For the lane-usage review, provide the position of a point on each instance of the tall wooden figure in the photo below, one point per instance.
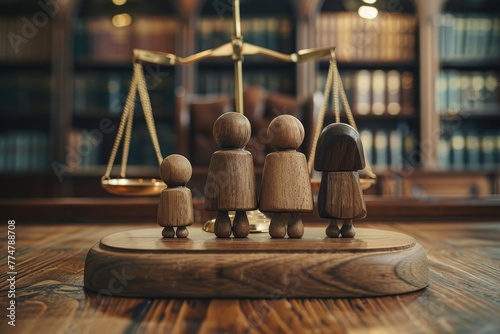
(286, 184)
(176, 201)
(339, 155)
(231, 180)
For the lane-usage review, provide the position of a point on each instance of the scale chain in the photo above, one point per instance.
(350, 118)
(148, 111)
(129, 105)
(126, 143)
(138, 84)
(333, 79)
(321, 118)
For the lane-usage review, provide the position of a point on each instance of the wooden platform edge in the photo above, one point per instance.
(255, 275)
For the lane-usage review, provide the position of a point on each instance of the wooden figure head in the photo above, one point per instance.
(175, 170)
(232, 130)
(339, 149)
(285, 132)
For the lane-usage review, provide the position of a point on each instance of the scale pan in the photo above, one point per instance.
(133, 187)
(367, 183)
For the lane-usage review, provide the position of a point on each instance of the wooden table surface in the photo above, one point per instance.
(463, 295)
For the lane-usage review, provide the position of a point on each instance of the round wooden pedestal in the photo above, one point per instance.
(141, 263)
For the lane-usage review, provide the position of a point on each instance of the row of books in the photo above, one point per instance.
(25, 38)
(389, 148)
(388, 37)
(104, 93)
(216, 81)
(99, 39)
(470, 150)
(24, 91)
(471, 92)
(270, 32)
(469, 36)
(24, 151)
(87, 150)
(376, 92)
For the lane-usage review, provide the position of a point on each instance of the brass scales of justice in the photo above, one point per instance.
(374, 263)
(236, 49)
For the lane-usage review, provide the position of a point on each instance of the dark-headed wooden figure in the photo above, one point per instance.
(339, 155)
(176, 201)
(286, 184)
(230, 182)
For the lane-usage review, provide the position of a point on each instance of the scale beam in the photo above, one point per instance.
(227, 50)
(236, 49)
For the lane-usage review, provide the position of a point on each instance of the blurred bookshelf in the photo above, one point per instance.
(468, 92)
(25, 89)
(378, 64)
(416, 70)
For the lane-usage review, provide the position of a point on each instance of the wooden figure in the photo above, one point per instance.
(339, 155)
(176, 202)
(231, 180)
(286, 184)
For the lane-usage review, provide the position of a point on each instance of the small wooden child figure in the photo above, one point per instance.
(231, 180)
(339, 155)
(286, 184)
(176, 201)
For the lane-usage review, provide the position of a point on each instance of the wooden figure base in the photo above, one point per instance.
(141, 263)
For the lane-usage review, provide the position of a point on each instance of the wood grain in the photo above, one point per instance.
(175, 207)
(175, 170)
(232, 130)
(285, 132)
(339, 149)
(462, 295)
(286, 186)
(204, 266)
(340, 196)
(231, 182)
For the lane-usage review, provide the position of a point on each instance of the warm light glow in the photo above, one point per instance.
(368, 12)
(371, 2)
(122, 2)
(121, 20)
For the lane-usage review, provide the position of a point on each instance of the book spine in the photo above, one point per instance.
(378, 92)
(393, 92)
(366, 136)
(454, 105)
(472, 148)
(396, 149)
(381, 147)
(407, 93)
(3, 153)
(362, 101)
(488, 151)
(444, 151)
(458, 150)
